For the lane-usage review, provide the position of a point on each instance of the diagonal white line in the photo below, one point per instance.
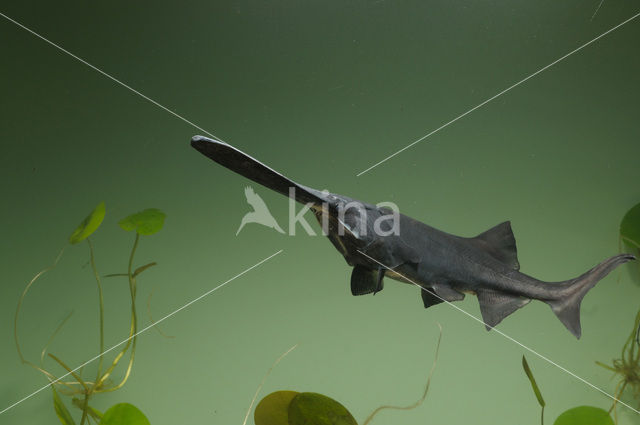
(505, 335)
(175, 114)
(140, 331)
(359, 174)
(596, 12)
(499, 94)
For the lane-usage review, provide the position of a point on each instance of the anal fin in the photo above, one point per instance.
(439, 293)
(495, 305)
(429, 298)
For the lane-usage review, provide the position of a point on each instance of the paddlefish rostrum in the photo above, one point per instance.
(378, 242)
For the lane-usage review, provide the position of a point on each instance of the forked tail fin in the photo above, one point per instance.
(567, 307)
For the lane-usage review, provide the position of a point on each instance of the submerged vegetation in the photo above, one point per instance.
(82, 389)
(280, 407)
(627, 367)
(581, 415)
(308, 408)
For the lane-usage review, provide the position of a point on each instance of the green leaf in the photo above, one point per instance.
(89, 225)
(317, 409)
(630, 227)
(274, 408)
(534, 385)
(584, 415)
(124, 414)
(117, 275)
(146, 222)
(61, 410)
(143, 268)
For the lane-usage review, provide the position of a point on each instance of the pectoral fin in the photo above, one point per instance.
(495, 306)
(366, 281)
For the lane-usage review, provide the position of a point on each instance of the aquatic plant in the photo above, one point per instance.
(80, 389)
(305, 408)
(580, 415)
(630, 231)
(534, 385)
(627, 366)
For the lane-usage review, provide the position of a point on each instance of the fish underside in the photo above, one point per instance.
(444, 266)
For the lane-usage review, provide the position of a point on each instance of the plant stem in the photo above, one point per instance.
(101, 300)
(131, 342)
(134, 316)
(636, 329)
(19, 306)
(255, 396)
(49, 375)
(85, 408)
(426, 388)
(51, 338)
(606, 366)
(68, 369)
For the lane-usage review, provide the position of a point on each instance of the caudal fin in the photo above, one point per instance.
(567, 307)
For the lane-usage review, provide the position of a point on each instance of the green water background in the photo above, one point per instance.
(319, 91)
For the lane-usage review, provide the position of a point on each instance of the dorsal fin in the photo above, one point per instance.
(500, 243)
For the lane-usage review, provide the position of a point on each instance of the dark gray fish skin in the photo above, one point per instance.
(445, 266)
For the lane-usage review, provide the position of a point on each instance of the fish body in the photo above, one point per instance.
(444, 266)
